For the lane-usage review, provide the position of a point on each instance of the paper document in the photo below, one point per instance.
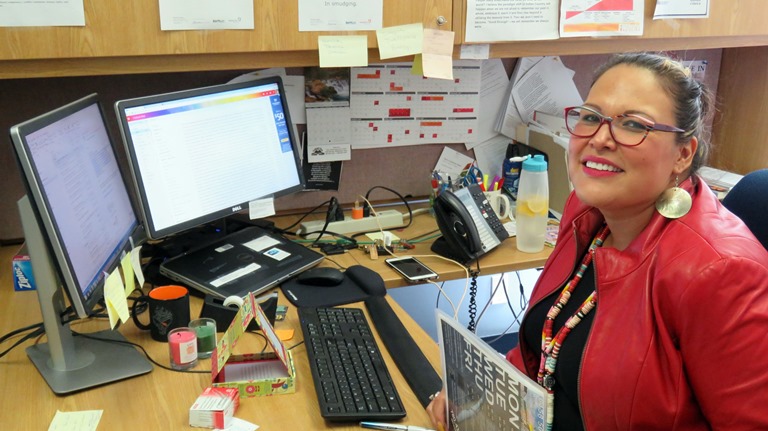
(508, 118)
(601, 18)
(547, 87)
(14, 13)
(340, 15)
(452, 162)
(677, 9)
(206, 15)
(493, 87)
(391, 107)
(497, 20)
(490, 155)
(480, 51)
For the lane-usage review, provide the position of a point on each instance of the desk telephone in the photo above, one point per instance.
(469, 226)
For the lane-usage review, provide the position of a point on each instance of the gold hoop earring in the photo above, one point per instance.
(674, 202)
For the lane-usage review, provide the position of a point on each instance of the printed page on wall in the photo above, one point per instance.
(503, 20)
(593, 18)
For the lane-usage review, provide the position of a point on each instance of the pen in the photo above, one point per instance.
(391, 427)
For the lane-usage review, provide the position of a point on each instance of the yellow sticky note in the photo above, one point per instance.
(437, 54)
(128, 276)
(136, 264)
(114, 297)
(343, 51)
(437, 66)
(400, 40)
(86, 420)
(417, 68)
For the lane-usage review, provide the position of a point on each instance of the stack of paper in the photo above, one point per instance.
(540, 84)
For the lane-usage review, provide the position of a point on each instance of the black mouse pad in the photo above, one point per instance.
(359, 283)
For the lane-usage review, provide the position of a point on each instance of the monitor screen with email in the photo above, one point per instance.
(199, 155)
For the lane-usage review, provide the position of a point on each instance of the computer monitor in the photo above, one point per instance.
(199, 155)
(78, 223)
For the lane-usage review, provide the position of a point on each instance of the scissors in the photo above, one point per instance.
(473, 176)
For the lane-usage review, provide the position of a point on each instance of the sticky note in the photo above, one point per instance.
(343, 51)
(86, 420)
(114, 297)
(261, 208)
(284, 334)
(437, 54)
(400, 40)
(417, 68)
(136, 264)
(128, 277)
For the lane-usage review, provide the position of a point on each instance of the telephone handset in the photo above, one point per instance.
(469, 225)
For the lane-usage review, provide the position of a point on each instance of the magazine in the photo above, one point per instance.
(484, 391)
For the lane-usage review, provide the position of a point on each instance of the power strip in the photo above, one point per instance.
(387, 219)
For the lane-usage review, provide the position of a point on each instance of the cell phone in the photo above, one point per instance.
(411, 269)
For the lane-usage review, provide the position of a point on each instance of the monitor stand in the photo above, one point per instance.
(71, 363)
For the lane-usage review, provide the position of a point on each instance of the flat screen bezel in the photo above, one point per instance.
(146, 213)
(83, 305)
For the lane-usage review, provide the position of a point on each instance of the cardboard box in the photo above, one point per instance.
(23, 278)
(253, 374)
(214, 408)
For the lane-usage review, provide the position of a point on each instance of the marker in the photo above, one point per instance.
(392, 427)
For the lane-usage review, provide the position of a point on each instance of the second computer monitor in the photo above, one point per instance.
(199, 155)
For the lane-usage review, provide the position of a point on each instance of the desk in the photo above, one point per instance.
(161, 399)
(504, 258)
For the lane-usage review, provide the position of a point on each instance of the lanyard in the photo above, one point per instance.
(550, 346)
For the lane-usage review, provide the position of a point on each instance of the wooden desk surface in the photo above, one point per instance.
(160, 400)
(504, 258)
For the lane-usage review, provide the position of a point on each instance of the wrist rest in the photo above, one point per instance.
(408, 357)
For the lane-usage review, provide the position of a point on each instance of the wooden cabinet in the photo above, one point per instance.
(731, 23)
(125, 37)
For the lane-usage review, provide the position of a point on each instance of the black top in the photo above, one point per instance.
(567, 416)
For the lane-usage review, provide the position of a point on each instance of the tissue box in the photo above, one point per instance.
(214, 408)
(23, 279)
(253, 374)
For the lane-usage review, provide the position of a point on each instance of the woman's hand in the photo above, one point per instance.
(436, 411)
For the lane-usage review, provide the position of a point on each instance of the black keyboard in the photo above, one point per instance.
(350, 377)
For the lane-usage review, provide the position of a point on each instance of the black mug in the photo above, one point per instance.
(168, 309)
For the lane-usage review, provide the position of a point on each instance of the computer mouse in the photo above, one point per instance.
(323, 277)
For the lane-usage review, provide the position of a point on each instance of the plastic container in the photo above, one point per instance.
(511, 169)
(532, 205)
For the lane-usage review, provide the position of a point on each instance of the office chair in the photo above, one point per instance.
(748, 199)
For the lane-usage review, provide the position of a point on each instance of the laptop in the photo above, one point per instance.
(250, 260)
(484, 391)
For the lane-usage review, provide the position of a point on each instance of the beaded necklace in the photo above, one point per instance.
(550, 347)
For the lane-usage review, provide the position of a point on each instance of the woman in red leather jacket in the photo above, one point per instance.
(669, 289)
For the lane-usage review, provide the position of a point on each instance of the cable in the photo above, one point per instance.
(20, 330)
(490, 298)
(473, 299)
(36, 333)
(165, 367)
(442, 292)
(369, 207)
(287, 229)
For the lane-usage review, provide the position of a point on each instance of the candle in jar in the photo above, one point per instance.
(182, 343)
